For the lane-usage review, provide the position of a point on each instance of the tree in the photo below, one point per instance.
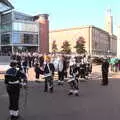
(54, 47)
(80, 45)
(66, 47)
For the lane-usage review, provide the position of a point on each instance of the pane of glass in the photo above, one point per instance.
(6, 27)
(28, 27)
(16, 38)
(3, 7)
(6, 18)
(5, 39)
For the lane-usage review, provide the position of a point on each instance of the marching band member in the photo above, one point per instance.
(48, 74)
(13, 79)
(73, 82)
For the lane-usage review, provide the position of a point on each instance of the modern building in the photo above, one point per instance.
(5, 5)
(97, 41)
(22, 32)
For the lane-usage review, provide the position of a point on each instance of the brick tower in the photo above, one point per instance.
(43, 33)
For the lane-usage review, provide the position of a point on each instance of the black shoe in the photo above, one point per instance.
(45, 90)
(76, 94)
(14, 117)
(105, 84)
(51, 90)
(70, 93)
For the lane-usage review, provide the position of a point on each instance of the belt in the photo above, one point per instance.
(46, 75)
(16, 82)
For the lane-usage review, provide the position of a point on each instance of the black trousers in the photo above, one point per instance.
(37, 75)
(104, 78)
(82, 73)
(13, 93)
(48, 83)
(25, 69)
(74, 84)
(61, 75)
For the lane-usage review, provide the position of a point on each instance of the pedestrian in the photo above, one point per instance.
(73, 82)
(48, 74)
(37, 71)
(61, 70)
(25, 65)
(13, 79)
(105, 70)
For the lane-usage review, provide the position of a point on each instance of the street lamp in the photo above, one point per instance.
(108, 53)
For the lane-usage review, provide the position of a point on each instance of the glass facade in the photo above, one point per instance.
(25, 38)
(19, 31)
(25, 26)
(3, 7)
(6, 23)
(6, 27)
(21, 16)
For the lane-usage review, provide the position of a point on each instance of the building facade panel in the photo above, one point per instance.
(113, 45)
(101, 42)
(71, 35)
(19, 30)
(97, 41)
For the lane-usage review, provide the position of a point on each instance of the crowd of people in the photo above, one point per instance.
(114, 64)
(65, 65)
(72, 67)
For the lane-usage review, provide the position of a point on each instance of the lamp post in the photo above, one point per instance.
(108, 53)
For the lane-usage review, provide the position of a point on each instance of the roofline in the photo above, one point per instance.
(75, 28)
(22, 13)
(7, 3)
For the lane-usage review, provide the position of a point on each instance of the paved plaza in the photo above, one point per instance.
(95, 102)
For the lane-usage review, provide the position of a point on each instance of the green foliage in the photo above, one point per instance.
(80, 45)
(66, 47)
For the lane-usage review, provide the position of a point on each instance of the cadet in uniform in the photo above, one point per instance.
(73, 82)
(12, 81)
(48, 74)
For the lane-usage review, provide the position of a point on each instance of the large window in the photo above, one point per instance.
(17, 38)
(5, 39)
(6, 24)
(6, 18)
(30, 39)
(24, 26)
(25, 38)
(20, 16)
(6, 27)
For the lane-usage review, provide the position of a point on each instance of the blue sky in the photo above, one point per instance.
(71, 13)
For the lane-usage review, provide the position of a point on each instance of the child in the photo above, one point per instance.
(73, 82)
